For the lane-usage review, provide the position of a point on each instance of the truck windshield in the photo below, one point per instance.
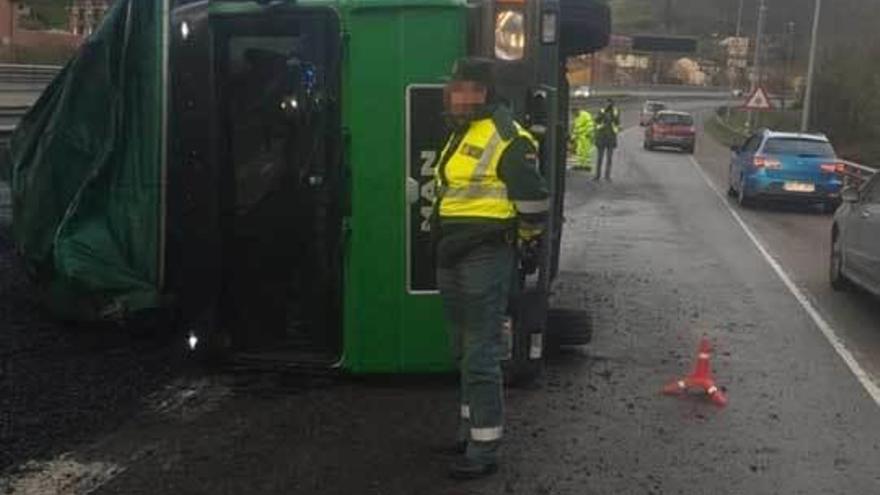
(799, 147)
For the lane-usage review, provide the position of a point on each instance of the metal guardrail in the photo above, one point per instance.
(10, 113)
(728, 128)
(5, 136)
(28, 74)
(855, 174)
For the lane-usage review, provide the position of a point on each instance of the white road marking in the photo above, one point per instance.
(823, 325)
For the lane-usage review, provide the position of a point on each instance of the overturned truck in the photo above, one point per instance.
(261, 171)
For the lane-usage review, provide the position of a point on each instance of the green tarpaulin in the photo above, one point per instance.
(86, 171)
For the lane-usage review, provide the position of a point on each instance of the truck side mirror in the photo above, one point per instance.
(850, 195)
(584, 27)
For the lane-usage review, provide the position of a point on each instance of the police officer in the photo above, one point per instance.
(490, 198)
(607, 128)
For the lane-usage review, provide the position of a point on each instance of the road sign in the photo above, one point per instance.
(758, 100)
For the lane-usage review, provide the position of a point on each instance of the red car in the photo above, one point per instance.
(671, 129)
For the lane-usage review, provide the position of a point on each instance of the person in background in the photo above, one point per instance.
(584, 135)
(607, 129)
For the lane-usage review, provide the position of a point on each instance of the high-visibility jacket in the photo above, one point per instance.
(584, 130)
(584, 126)
(467, 183)
(607, 128)
(605, 120)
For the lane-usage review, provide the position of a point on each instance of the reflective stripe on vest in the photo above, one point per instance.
(603, 121)
(468, 185)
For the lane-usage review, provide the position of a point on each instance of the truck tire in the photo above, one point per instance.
(568, 328)
(525, 361)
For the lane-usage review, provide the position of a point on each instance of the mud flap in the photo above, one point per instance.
(526, 338)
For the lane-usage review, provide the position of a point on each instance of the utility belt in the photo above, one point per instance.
(455, 240)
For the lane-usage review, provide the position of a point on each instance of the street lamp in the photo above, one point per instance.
(759, 38)
(789, 60)
(739, 19)
(811, 66)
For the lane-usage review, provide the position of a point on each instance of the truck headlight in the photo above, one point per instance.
(510, 35)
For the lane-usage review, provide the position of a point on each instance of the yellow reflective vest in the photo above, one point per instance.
(603, 120)
(468, 185)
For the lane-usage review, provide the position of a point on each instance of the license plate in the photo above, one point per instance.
(805, 187)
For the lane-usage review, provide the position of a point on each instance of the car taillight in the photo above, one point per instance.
(766, 162)
(833, 168)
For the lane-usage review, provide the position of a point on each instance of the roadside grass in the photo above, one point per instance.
(723, 133)
(734, 130)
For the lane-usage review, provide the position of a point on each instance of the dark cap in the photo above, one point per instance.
(476, 69)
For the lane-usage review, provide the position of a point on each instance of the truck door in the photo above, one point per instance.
(277, 79)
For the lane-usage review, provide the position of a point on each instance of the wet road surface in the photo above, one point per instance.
(800, 239)
(659, 261)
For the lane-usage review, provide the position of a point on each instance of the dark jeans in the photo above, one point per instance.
(475, 293)
(604, 151)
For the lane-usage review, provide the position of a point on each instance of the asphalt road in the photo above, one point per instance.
(659, 261)
(800, 238)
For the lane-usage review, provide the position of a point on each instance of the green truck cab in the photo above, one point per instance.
(284, 176)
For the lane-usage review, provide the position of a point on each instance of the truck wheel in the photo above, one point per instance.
(525, 360)
(568, 328)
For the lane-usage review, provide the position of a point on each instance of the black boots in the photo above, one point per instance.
(467, 469)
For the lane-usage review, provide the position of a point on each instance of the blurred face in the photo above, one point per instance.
(463, 99)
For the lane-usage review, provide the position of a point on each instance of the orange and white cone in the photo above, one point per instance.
(701, 379)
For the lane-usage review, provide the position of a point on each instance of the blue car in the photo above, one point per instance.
(786, 166)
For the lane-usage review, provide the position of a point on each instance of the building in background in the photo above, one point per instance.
(639, 60)
(86, 15)
(10, 12)
(26, 37)
(737, 53)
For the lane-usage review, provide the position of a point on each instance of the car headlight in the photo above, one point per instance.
(510, 35)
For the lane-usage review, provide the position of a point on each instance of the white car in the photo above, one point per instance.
(649, 110)
(581, 92)
(855, 236)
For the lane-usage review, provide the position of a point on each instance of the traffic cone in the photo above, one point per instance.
(700, 379)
